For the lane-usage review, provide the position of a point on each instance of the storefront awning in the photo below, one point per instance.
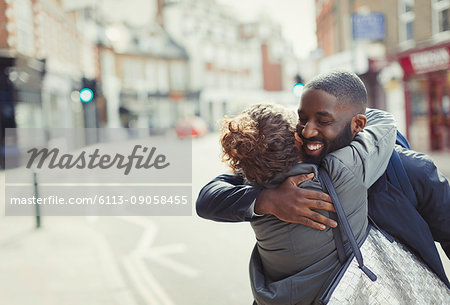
(425, 60)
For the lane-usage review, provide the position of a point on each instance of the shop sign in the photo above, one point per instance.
(426, 61)
(368, 26)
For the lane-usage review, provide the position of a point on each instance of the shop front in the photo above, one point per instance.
(427, 101)
(20, 100)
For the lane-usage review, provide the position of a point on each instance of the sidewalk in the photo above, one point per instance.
(64, 262)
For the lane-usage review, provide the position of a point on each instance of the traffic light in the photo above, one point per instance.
(299, 79)
(88, 92)
(86, 95)
(298, 87)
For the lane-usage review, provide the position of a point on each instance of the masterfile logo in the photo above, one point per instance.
(95, 160)
(68, 172)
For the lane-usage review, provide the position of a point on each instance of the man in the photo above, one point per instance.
(416, 224)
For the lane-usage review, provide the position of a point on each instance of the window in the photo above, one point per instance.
(163, 76)
(222, 56)
(406, 20)
(440, 17)
(178, 76)
(131, 72)
(24, 20)
(234, 58)
(189, 26)
(208, 52)
(150, 76)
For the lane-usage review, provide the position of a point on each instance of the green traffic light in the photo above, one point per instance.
(86, 95)
(298, 89)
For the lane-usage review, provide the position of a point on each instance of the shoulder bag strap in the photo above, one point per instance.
(343, 221)
(337, 235)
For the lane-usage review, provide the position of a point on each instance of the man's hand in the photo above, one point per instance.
(290, 203)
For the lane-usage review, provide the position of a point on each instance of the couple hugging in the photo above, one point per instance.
(298, 258)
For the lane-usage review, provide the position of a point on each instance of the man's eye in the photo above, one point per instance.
(303, 121)
(325, 122)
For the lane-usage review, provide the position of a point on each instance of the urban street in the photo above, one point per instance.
(80, 74)
(133, 260)
(129, 260)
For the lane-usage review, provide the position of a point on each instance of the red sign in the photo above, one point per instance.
(425, 61)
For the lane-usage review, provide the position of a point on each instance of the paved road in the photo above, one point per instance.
(132, 260)
(128, 260)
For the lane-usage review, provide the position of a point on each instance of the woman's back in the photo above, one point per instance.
(287, 248)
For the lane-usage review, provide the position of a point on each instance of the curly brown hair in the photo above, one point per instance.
(260, 142)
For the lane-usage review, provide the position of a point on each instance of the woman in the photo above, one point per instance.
(294, 264)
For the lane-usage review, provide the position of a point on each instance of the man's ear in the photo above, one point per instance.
(298, 142)
(359, 121)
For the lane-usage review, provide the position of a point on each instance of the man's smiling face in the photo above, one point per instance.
(325, 125)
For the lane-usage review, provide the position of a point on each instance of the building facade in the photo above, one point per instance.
(231, 63)
(150, 70)
(44, 59)
(400, 50)
(424, 56)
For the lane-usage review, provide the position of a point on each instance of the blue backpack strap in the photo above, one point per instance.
(396, 173)
(401, 140)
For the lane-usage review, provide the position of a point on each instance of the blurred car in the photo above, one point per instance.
(191, 127)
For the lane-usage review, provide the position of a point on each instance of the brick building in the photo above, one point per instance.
(401, 51)
(43, 58)
(39, 67)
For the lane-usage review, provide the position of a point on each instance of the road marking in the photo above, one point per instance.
(143, 288)
(110, 268)
(146, 284)
(159, 255)
(174, 265)
(137, 220)
(169, 249)
(152, 283)
(146, 240)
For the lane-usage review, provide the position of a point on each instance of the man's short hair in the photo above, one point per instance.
(346, 86)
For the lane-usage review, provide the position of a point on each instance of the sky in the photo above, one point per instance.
(297, 18)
